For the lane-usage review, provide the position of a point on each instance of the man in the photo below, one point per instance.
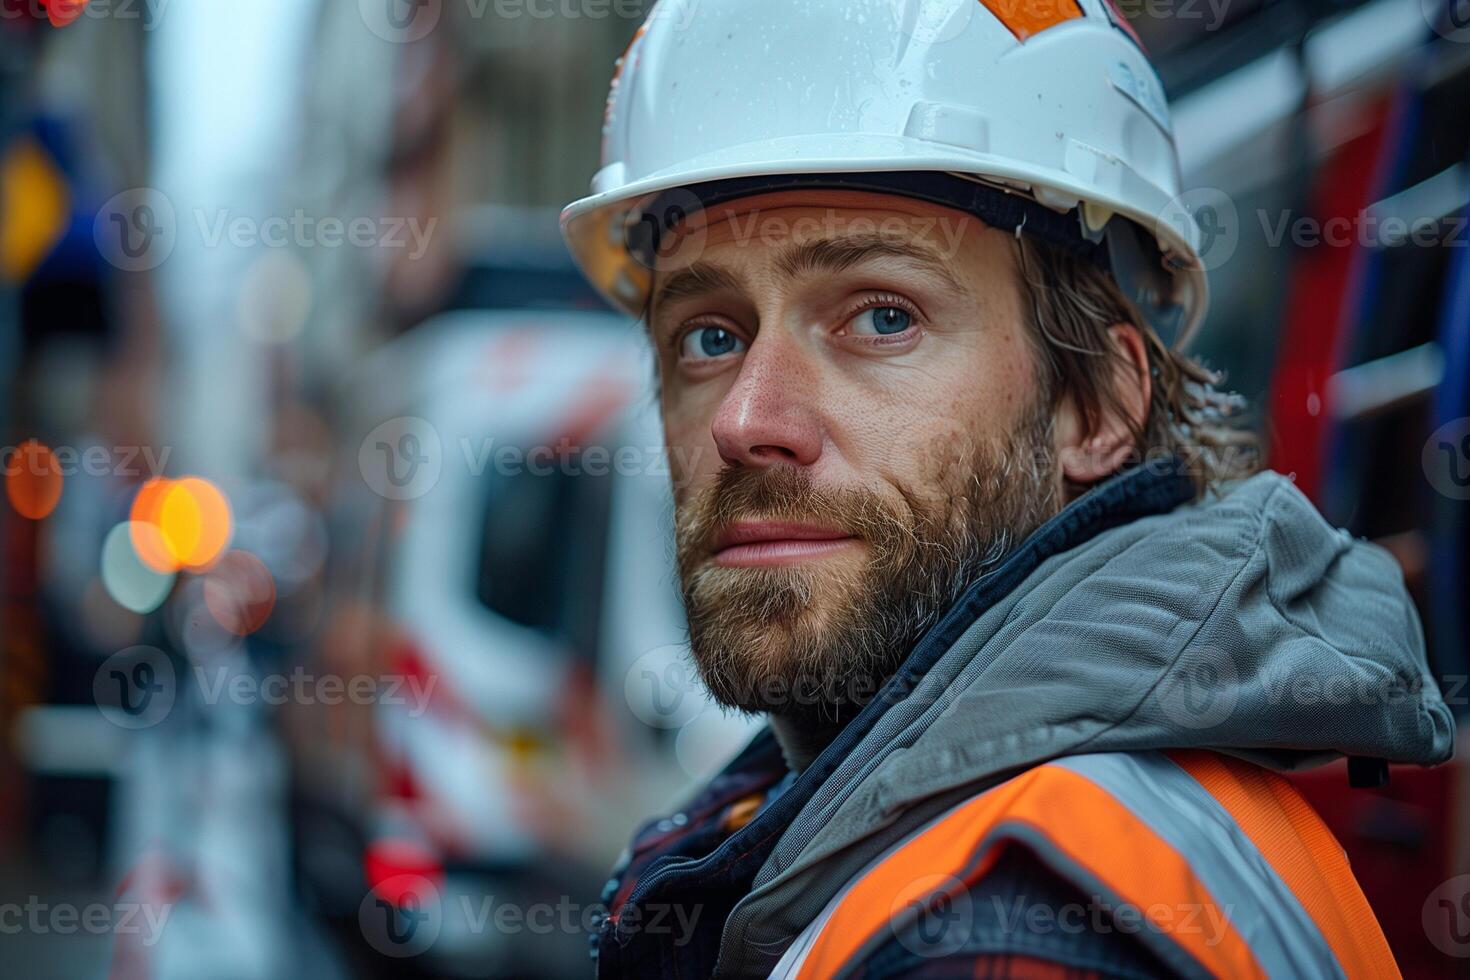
(965, 523)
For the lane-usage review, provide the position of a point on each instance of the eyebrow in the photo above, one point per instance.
(834, 255)
(695, 279)
(826, 255)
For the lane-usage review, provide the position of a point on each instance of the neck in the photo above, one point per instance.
(802, 741)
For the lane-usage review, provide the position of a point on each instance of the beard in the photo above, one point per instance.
(813, 643)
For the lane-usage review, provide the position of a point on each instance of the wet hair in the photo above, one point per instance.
(1069, 305)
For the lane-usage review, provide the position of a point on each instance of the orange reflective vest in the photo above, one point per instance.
(1228, 871)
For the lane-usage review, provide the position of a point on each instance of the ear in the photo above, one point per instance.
(1088, 457)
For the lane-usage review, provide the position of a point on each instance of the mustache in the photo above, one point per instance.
(779, 493)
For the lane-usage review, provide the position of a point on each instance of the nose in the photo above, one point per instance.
(770, 414)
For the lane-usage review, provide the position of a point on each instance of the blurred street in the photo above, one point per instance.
(336, 547)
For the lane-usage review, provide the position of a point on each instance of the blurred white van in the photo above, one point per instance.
(502, 567)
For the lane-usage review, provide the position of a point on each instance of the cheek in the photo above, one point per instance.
(968, 391)
(693, 458)
(1004, 385)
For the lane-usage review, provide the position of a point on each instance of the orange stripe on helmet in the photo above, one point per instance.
(1024, 18)
(1081, 820)
(1302, 851)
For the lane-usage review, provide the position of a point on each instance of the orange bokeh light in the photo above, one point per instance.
(195, 520)
(180, 524)
(147, 537)
(33, 480)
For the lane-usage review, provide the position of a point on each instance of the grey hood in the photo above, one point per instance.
(1243, 623)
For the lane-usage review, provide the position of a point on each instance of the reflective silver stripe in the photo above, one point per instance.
(795, 955)
(1170, 802)
(1262, 908)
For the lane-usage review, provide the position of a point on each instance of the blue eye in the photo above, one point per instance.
(882, 320)
(706, 342)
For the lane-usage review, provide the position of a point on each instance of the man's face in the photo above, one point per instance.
(849, 376)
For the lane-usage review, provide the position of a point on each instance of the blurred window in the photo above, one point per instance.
(544, 546)
(1194, 42)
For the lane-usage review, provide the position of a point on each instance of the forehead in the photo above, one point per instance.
(794, 233)
(802, 216)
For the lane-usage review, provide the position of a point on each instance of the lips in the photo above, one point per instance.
(753, 543)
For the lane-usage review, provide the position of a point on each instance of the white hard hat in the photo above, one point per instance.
(1038, 115)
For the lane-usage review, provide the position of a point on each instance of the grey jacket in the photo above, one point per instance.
(1243, 623)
